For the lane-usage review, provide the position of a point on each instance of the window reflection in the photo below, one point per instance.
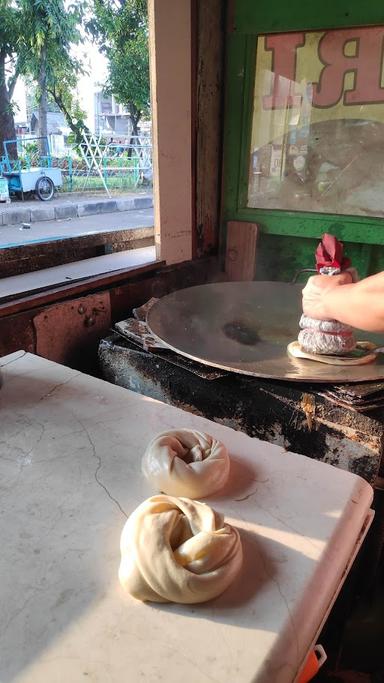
(318, 122)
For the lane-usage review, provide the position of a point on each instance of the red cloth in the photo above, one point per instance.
(329, 253)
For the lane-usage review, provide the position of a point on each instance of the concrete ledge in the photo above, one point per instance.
(126, 204)
(92, 208)
(109, 207)
(15, 216)
(143, 202)
(48, 212)
(69, 211)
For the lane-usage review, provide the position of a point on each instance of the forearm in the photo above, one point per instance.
(360, 305)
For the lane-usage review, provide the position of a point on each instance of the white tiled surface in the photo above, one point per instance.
(70, 449)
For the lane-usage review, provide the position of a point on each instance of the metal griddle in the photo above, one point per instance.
(244, 327)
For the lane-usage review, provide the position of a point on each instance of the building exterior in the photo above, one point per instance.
(111, 119)
(56, 123)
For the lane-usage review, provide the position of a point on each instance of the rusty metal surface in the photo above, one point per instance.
(141, 312)
(66, 331)
(290, 415)
(138, 331)
(362, 398)
(165, 353)
(244, 327)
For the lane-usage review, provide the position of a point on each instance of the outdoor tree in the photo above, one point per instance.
(10, 67)
(36, 40)
(121, 29)
(51, 28)
(36, 37)
(62, 98)
(61, 91)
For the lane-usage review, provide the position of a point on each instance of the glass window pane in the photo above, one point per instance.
(318, 122)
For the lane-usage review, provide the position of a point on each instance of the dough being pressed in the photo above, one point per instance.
(367, 349)
(186, 463)
(178, 550)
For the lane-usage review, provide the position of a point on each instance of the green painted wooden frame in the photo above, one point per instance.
(250, 19)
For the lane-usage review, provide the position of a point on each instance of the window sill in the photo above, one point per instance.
(21, 292)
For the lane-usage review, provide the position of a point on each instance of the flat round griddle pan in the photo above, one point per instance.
(245, 327)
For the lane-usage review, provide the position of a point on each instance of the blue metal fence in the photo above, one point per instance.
(123, 166)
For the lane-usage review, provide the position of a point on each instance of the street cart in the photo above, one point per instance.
(40, 179)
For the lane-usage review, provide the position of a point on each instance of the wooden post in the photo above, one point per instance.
(209, 119)
(240, 257)
(171, 95)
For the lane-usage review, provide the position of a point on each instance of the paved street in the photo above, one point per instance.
(15, 235)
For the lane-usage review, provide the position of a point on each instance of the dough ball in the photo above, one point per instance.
(178, 550)
(186, 463)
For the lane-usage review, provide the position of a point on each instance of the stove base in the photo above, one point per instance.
(295, 416)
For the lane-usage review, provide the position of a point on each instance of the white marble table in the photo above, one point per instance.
(70, 449)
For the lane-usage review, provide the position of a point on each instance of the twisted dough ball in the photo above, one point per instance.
(186, 463)
(178, 550)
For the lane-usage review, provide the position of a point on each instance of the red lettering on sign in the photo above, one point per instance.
(366, 65)
(284, 52)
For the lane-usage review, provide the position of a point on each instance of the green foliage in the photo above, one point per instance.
(32, 98)
(30, 148)
(61, 91)
(9, 27)
(35, 41)
(53, 27)
(11, 31)
(121, 29)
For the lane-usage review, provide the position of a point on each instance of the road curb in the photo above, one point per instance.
(73, 210)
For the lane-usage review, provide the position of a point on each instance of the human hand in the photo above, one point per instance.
(318, 289)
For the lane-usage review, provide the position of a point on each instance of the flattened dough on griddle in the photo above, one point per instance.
(295, 350)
